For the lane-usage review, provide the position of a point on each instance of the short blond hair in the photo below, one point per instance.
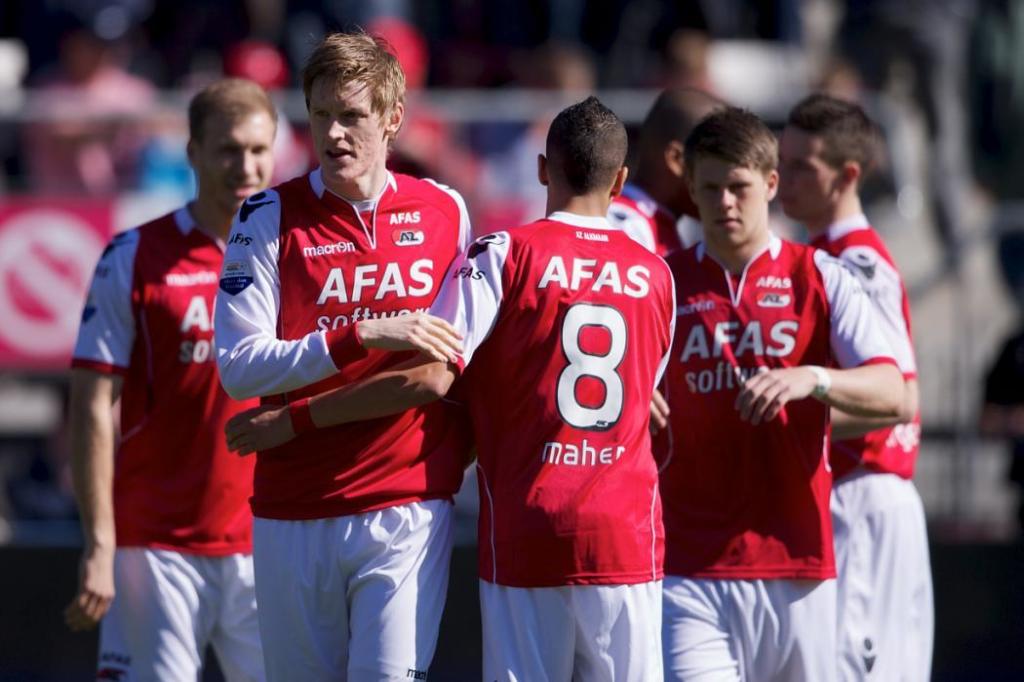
(735, 136)
(234, 98)
(361, 58)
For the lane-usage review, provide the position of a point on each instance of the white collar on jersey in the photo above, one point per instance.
(773, 247)
(841, 228)
(590, 222)
(316, 181)
(184, 220)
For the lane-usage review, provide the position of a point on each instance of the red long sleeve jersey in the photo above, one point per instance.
(744, 501)
(303, 266)
(149, 318)
(566, 326)
(893, 449)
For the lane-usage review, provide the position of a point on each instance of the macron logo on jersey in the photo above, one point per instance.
(190, 279)
(328, 249)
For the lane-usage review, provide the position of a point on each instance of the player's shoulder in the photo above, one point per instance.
(429, 191)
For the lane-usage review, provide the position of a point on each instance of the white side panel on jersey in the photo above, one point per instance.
(107, 333)
(471, 295)
(251, 359)
(635, 225)
(856, 335)
(465, 229)
(884, 287)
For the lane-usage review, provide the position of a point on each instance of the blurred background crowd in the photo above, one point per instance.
(93, 132)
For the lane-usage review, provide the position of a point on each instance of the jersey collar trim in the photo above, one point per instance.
(586, 221)
(316, 181)
(841, 228)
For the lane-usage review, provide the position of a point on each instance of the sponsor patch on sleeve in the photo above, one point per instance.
(236, 277)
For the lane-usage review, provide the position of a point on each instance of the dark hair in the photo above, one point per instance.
(847, 132)
(736, 136)
(231, 97)
(586, 146)
(674, 115)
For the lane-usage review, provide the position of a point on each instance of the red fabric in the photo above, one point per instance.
(743, 501)
(176, 485)
(892, 450)
(589, 513)
(302, 418)
(358, 467)
(662, 223)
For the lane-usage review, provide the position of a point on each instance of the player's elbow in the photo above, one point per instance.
(891, 393)
(433, 380)
(232, 379)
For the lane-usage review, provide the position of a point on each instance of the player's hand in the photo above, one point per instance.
(259, 428)
(659, 412)
(430, 335)
(765, 394)
(95, 590)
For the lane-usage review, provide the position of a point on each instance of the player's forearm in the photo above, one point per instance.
(845, 425)
(259, 365)
(412, 384)
(867, 391)
(92, 460)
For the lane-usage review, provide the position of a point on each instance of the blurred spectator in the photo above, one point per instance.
(1002, 414)
(265, 65)
(686, 61)
(91, 145)
(930, 37)
(510, 186)
(996, 101)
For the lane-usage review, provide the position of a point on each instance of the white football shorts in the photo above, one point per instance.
(355, 597)
(597, 633)
(168, 606)
(751, 630)
(885, 614)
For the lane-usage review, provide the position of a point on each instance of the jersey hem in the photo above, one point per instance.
(751, 573)
(323, 511)
(585, 579)
(198, 550)
(96, 366)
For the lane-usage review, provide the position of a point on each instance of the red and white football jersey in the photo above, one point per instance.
(149, 318)
(892, 450)
(743, 501)
(302, 267)
(567, 323)
(645, 220)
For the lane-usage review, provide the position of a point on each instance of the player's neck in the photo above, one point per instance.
(735, 257)
(587, 204)
(847, 207)
(363, 188)
(211, 218)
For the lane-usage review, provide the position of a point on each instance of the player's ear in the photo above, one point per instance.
(620, 181)
(542, 169)
(772, 180)
(191, 150)
(393, 121)
(850, 174)
(674, 158)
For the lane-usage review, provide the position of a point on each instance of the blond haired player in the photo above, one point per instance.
(353, 529)
(167, 565)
